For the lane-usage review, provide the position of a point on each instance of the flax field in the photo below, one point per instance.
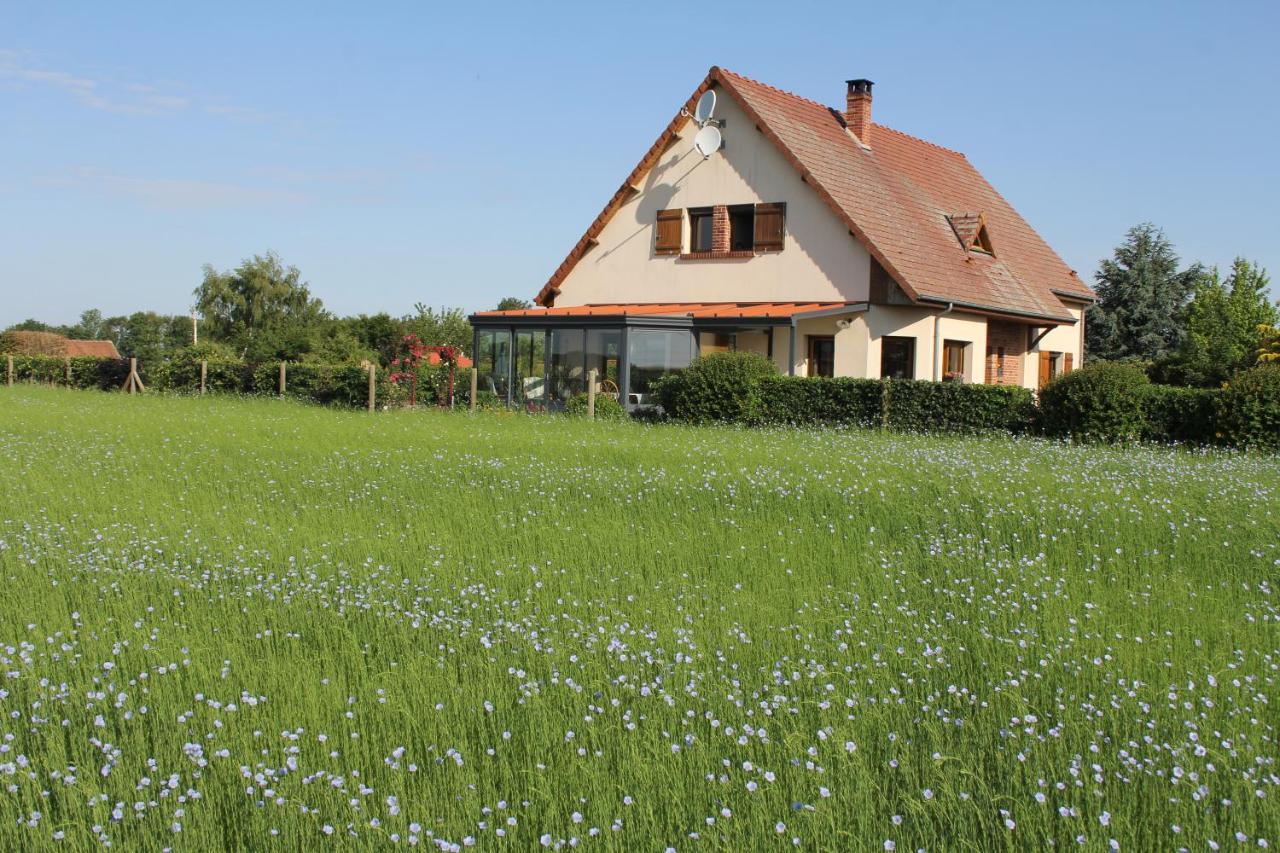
(257, 625)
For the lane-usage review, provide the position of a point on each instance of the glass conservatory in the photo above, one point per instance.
(537, 359)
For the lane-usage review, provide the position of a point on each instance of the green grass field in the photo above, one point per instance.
(253, 625)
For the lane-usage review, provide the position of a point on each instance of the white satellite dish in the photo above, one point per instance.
(708, 141)
(706, 106)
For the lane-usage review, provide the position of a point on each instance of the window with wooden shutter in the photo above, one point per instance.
(1066, 362)
(1046, 368)
(669, 237)
(770, 226)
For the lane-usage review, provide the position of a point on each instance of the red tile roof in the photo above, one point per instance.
(895, 197)
(98, 349)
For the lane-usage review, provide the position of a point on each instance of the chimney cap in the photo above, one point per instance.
(859, 86)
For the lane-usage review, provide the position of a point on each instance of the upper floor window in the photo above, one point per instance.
(739, 228)
(701, 229)
(742, 227)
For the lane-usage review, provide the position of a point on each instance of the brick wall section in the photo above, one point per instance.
(1013, 337)
(720, 228)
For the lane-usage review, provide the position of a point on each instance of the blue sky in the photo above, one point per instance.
(402, 153)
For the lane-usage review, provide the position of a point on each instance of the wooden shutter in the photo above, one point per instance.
(1066, 363)
(1046, 368)
(670, 225)
(770, 227)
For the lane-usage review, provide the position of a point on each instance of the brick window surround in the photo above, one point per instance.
(1011, 338)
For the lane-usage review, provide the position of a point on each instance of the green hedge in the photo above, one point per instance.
(1179, 415)
(1249, 408)
(720, 387)
(803, 402)
(921, 406)
(86, 371)
(607, 408)
(334, 384)
(1102, 401)
(745, 388)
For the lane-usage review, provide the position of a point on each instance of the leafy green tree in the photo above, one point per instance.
(1225, 323)
(449, 326)
(33, 325)
(337, 345)
(513, 303)
(262, 307)
(1142, 297)
(380, 333)
(92, 326)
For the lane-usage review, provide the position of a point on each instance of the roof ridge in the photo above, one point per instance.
(763, 85)
(915, 138)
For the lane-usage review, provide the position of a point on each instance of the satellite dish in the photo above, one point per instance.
(708, 140)
(706, 106)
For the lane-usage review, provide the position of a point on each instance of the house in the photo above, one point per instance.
(96, 349)
(833, 245)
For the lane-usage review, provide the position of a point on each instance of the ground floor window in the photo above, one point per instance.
(653, 352)
(1053, 365)
(822, 355)
(953, 359)
(897, 358)
(493, 362)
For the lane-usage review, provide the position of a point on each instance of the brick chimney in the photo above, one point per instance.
(857, 111)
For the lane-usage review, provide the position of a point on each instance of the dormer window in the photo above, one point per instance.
(971, 230)
(982, 242)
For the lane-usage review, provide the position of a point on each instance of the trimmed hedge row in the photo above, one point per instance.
(1100, 402)
(330, 384)
(745, 388)
(85, 371)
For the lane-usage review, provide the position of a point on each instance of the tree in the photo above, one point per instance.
(92, 326)
(33, 325)
(146, 336)
(1269, 348)
(1224, 326)
(380, 333)
(513, 303)
(449, 326)
(1142, 297)
(262, 307)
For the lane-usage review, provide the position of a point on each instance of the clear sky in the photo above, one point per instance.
(452, 154)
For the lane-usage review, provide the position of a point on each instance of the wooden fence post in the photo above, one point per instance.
(66, 369)
(204, 374)
(475, 383)
(133, 383)
(282, 378)
(373, 386)
(591, 393)
(9, 372)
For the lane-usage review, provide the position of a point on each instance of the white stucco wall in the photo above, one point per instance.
(821, 261)
(888, 320)
(1059, 339)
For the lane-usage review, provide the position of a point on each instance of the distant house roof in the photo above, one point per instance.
(899, 198)
(434, 359)
(99, 349)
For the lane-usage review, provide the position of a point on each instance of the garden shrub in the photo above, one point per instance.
(607, 408)
(1179, 415)
(922, 406)
(1249, 408)
(86, 371)
(1102, 401)
(718, 387)
(799, 401)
